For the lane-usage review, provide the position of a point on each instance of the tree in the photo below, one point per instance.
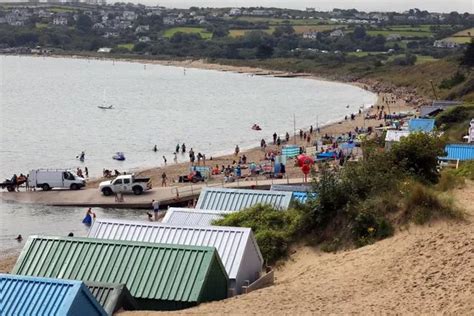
(282, 30)
(359, 33)
(417, 154)
(264, 51)
(84, 23)
(468, 57)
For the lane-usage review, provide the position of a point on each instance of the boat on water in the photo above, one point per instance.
(119, 156)
(103, 107)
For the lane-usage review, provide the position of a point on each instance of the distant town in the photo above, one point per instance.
(237, 33)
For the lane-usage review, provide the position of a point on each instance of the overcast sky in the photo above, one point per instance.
(325, 5)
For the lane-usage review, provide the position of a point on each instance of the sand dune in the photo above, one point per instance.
(420, 270)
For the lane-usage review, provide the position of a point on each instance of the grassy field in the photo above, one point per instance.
(465, 33)
(62, 9)
(41, 25)
(241, 32)
(421, 59)
(128, 46)
(462, 37)
(204, 34)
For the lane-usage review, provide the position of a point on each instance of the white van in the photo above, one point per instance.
(55, 178)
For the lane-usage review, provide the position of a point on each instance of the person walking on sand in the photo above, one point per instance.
(274, 138)
(237, 150)
(164, 179)
(175, 158)
(164, 159)
(287, 137)
(86, 171)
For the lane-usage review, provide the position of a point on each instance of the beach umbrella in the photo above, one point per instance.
(305, 160)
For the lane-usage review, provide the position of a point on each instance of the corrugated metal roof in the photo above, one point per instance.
(230, 242)
(428, 110)
(191, 216)
(445, 103)
(394, 135)
(421, 125)
(24, 295)
(459, 152)
(150, 271)
(290, 188)
(235, 199)
(112, 297)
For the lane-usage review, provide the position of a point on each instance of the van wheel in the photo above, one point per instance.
(74, 186)
(137, 190)
(45, 187)
(107, 191)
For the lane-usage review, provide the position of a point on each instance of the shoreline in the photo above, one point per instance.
(337, 126)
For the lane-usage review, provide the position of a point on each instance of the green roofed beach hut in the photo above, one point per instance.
(158, 276)
(112, 297)
(25, 295)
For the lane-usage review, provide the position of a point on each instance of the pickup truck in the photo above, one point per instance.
(125, 184)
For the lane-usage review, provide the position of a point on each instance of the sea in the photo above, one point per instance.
(49, 114)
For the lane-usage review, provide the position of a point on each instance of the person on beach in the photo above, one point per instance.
(287, 137)
(183, 148)
(177, 148)
(155, 149)
(86, 171)
(164, 159)
(89, 218)
(175, 157)
(199, 156)
(237, 150)
(311, 129)
(278, 141)
(164, 179)
(274, 138)
(301, 134)
(244, 159)
(155, 205)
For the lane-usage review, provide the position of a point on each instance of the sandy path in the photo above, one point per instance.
(420, 270)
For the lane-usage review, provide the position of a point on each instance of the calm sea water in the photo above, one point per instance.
(49, 114)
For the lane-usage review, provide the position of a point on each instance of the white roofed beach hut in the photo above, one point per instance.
(192, 216)
(236, 246)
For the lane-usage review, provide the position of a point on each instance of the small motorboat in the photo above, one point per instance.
(103, 107)
(119, 156)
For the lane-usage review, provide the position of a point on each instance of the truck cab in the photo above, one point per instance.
(125, 184)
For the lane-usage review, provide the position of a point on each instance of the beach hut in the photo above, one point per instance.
(421, 125)
(159, 276)
(112, 297)
(24, 295)
(236, 246)
(461, 152)
(191, 216)
(238, 199)
(299, 193)
(394, 136)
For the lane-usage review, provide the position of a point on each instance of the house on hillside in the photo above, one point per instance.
(445, 44)
(235, 12)
(336, 34)
(310, 35)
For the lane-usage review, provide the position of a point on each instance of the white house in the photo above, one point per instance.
(445, 44)
(104, 50)
(235, 12)
(144, 39)
(310, 35)
(336, 33)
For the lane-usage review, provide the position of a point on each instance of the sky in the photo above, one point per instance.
(325, 5)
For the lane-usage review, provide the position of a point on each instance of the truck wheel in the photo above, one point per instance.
(45, 187)
(107, 191)
(74, 186)
(137, 190)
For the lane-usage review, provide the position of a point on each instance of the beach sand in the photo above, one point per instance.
(421, 270)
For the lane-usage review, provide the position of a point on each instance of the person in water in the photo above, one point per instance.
(183, 148)
(19, 238)
(90, 216)
(155, 149)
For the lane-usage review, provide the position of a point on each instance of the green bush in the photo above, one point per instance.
(455, 114)
(274, 229)
(466, 170)
(417, 155)
(456, 79)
